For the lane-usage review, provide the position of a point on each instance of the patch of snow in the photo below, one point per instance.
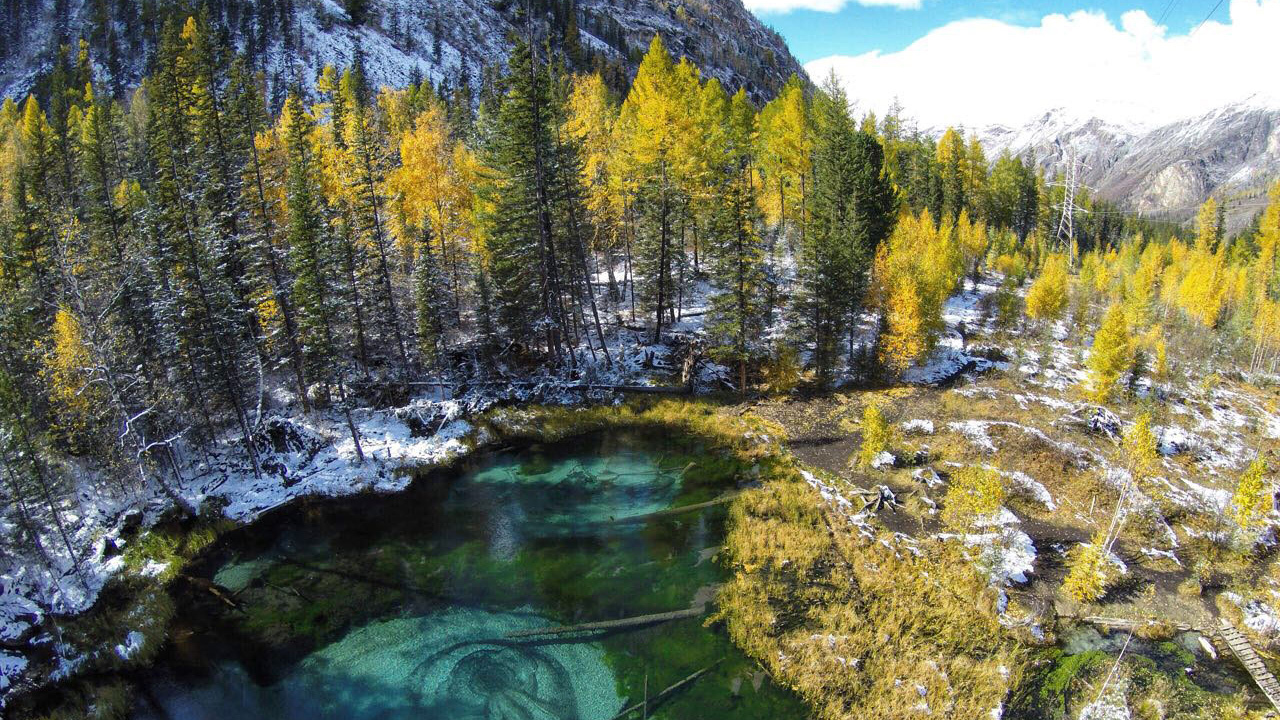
(928, 476)
(923, 427)
(976, 432)
(884, 459)
(1111, 706)
(1027, 485)
(1008, 556)
(1155, 553)
(841, 504)
(11, 666)
(131, 645)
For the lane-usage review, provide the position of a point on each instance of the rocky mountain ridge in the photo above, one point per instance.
(1164, 172)
(400, 40)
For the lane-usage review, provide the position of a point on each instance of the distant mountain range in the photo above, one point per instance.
(401, 40)
(1165, 172)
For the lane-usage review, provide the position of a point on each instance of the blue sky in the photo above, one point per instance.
(1140, 63)
(856, 28)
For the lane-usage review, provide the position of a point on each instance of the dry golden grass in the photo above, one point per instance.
(858, 628)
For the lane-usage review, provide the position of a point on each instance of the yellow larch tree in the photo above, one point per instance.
(1047, 299)
(68, 373)
(785, 155)
(592, 113)
(1203, 291)
(905, 337)
(1253, 497)
(433, 189)
(1111, 354)
(914, 273)
(973, 493)
(877, 434)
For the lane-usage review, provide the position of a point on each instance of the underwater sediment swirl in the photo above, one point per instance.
(449, 664)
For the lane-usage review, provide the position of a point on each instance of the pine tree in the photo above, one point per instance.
(430, 301)
(852, 210)
(364, 173)
(310, 255)
(738, 309)
(528, 211)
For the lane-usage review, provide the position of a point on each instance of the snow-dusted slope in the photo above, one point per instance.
(404, 39)
(1165, 172)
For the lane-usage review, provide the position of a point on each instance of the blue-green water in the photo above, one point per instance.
(397, 607)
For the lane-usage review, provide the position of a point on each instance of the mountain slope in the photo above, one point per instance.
(401, 40)
(1232, 153)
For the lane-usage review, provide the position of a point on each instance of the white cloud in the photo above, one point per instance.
(981, 72)
(786, 6)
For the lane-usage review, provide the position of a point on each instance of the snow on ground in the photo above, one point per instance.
(1112, 705)
(1026, 485)
(923, 427)
(841, 504)
(962, 317)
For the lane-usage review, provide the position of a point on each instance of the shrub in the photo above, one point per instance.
(1088, 576)
(877, 435)
(782, 371)
(973, 493)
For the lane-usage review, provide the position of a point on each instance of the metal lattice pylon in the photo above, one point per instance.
(1066, 233)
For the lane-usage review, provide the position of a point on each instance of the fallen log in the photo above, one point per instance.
(584, 387)
(648, 702)
(636, 621)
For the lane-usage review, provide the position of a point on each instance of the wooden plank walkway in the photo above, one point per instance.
(1244, 652)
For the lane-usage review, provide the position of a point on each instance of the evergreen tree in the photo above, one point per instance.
(524, 263)
(851, 212)
(738, 308)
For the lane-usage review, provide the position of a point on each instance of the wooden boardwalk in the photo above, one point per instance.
(1244, 652)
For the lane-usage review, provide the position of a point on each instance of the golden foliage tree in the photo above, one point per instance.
(915, 272)
(1111, 354)
(1087, 576)
(906, 335)
(68, 371)
(1047, 299)
(1253, 497)
(785, 154)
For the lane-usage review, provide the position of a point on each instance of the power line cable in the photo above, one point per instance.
(1165, 14)
(1206, 17)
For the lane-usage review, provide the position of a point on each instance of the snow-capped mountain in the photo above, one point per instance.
(401, 40)
(1165, 171)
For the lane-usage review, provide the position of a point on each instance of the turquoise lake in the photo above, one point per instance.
(388, 607)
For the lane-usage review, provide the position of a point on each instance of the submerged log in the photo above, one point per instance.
(636, 621)
(648, 702)
(727, 497)
(217, 591)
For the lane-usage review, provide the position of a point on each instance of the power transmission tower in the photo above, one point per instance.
(1066, 233)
